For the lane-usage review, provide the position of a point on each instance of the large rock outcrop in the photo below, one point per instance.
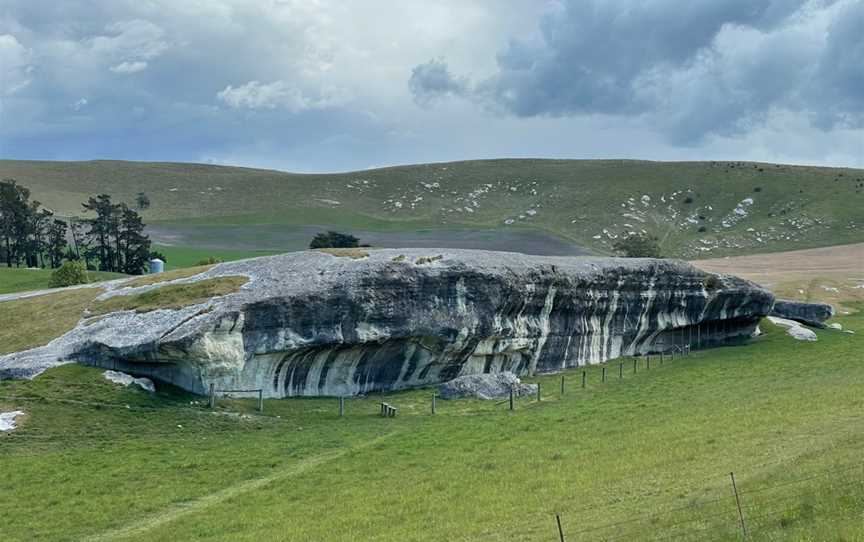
(316, 324)
(811, 314)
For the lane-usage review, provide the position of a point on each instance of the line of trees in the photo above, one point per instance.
(110, 238)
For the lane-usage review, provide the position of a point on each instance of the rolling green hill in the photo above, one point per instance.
(696, 209)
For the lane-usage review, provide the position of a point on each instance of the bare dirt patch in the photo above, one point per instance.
(828, 274)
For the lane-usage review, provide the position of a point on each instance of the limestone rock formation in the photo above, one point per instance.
(486, 386)
(811, 314)
(794, 329)
(7, 420)
(128, 380)
(312, 323)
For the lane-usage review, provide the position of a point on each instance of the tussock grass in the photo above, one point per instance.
(35, 321)
(654, 449)
(171, 296)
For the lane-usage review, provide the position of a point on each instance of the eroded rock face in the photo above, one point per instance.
(315, 324)
(811, 314)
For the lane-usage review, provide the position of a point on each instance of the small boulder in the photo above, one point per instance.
(127, 380)
(486, 386)
(836, 326)
(811, 314)
(7, 420)
(794, 329)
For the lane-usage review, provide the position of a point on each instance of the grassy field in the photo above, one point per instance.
(181, 257)
(695, 208)
(22, 280)
(644, 457)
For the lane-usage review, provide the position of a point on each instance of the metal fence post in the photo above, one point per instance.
(261, 400)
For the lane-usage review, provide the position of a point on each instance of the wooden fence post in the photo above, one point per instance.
(604, 374)
(738, 503)
(511, 398)
(212, 395)
(261, 400)
(620, 371)
(341, 406)
(538, 391)
(562, 384)
(433, 403)
(584, 377)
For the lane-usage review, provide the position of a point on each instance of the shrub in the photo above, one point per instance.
(638, 246)
(688, 199)
(713, 283)
(211, 260)
(334, 239)
(757, 189)
(69, 274)
(702, 229)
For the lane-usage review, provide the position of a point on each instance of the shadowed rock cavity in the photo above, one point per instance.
(315, 324)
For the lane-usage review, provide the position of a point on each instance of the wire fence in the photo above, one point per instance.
(758, 509)
(720, 518)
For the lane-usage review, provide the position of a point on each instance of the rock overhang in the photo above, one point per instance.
(312, 323)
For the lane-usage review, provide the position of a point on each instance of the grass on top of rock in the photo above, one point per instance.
(171, 296)
(644, 457)
(36, 321)
(353, 253)
(155, 278)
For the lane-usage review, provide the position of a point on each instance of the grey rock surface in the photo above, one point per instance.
(794, 329)
(811, 314)
(486, 386)
(128, 380)
(311, 323)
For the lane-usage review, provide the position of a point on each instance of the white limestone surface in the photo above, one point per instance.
(794, 329)
(7, 420)
(127, 380)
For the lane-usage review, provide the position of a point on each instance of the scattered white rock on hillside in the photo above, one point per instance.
(836, 326)
(794, 329)
(7, 420)
(127, 380)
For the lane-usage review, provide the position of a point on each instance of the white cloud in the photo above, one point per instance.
(279, 94)
(80, 104)
(15, 68)
(134, 39)
(129, 67)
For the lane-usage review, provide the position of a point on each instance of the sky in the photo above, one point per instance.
(337, 85)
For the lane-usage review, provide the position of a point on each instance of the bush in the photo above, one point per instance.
(638, 246)
(688, 199)
(208, 261)
(334, 239)
(69, 274)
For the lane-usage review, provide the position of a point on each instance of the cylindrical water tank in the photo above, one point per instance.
(156, 266)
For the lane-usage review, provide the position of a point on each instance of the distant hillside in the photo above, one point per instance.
(694, 208)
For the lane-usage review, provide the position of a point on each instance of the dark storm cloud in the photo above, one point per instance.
(692, 68)
(433, 80)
